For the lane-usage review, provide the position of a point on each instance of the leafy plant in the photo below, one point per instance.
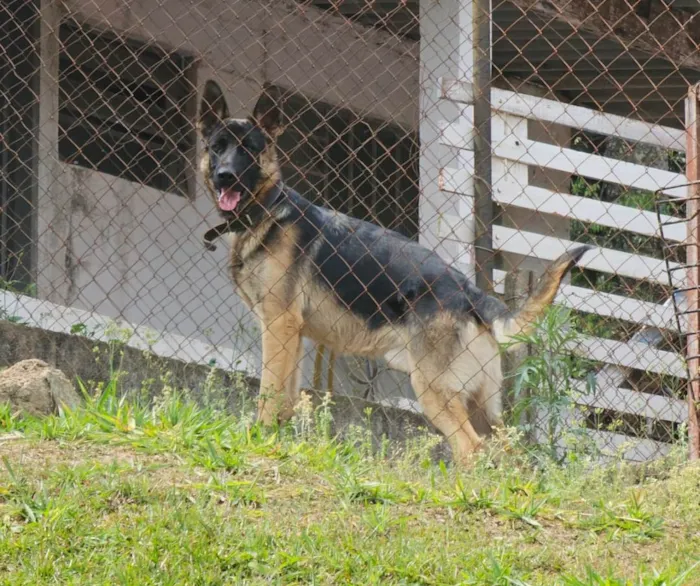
(630, 518)
(12, 287)
(550, 378)
(8, 418)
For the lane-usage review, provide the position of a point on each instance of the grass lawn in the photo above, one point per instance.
(177, 494)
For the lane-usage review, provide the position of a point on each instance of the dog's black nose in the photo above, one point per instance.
(225, 178)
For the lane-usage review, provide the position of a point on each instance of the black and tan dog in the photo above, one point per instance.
(308, 271)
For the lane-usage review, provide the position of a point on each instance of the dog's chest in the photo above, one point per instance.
(247, 265)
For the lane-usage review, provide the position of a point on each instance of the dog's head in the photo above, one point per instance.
(240, 160)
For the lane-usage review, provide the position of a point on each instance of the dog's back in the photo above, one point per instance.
(377, 274)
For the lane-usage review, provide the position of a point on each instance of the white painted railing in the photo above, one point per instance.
(514, 152)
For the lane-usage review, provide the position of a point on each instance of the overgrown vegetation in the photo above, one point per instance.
(125, 491)
(547, 384)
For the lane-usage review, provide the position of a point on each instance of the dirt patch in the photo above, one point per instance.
(44, 456)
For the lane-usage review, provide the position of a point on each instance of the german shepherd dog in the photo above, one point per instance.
(308, 271)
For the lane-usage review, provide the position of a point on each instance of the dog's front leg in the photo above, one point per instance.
(292, 392)
(281, 342)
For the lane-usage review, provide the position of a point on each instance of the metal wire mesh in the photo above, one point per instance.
(683, 298)
(497, 135)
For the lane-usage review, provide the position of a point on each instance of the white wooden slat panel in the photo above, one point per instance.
(446, 226)
(465, 42)
(466, 258)
(568, 160)
(634, 403)
(587, 210)
(600, 259)
(606, 304)
(635, 355)
(453, 227)
(587, 165)
(537, 108)
(456, 90)
(465, 164)
(609, 444)
(633, 449)
(562, 204)
(541, 419)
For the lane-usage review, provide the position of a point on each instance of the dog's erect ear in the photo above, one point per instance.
(213, 108)
(268, 112)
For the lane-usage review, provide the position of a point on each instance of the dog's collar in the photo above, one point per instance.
(249, 218)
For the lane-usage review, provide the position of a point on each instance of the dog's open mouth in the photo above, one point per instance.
(228, 199)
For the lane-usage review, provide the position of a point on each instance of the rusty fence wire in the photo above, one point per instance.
(496, 134)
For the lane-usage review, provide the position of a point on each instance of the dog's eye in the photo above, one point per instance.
(252, 143)
(247, 147)
(219, 146)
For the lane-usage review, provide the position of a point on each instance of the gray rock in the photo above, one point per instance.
(35, 388)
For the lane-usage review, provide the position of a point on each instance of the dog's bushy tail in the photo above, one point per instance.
(518, 322)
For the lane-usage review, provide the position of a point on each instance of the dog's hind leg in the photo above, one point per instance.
(281, 342)
(446, 411)
(490, 400)
(442, 378)
(490, 396)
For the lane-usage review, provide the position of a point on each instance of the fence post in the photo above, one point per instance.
(518, 286)
(483, 202)
(693, 263)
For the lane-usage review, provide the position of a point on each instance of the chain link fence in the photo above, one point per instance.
(498, 135)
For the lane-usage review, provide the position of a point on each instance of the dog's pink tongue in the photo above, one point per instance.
(228, 199)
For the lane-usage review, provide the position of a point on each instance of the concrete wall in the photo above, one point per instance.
(134, 253)
(75, 356)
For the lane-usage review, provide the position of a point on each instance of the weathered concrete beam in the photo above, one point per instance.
(660, 32)
(323, 56)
